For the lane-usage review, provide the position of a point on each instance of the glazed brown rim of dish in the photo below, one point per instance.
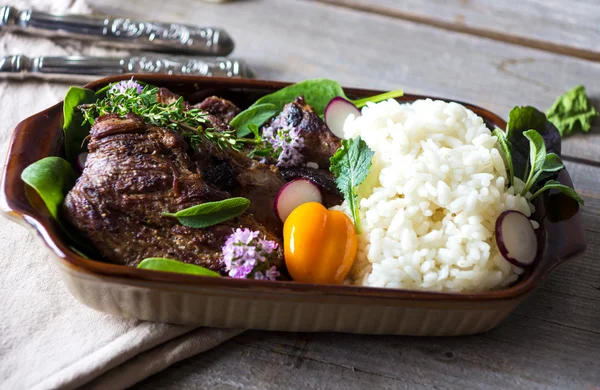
(41, 135)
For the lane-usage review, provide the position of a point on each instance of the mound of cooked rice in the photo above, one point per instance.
(430, 202)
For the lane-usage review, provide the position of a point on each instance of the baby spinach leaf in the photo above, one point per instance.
(555, 185)
(520, 120)
(573, 111)
(169, 265)
(553, 163)
(52, 178)
(74, 128)
(505, 149)
(350, 164)
(255, 115)
(210, 213)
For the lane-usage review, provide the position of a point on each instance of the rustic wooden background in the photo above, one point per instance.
(494, 53)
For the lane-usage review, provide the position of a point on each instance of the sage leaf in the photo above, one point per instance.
(555, 185)
(52, 178)
(553, 163)
(505, 149)
(169, 265)
(210, 213)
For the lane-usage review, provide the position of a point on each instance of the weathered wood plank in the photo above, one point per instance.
(547, 25)
(294, 40)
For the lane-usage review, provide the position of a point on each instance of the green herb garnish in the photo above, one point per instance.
(350, 164)
(531, 149)
(210, 213)
(191, 123)
(169, 265)
(52, 178)
(317, 93)
(572, 111)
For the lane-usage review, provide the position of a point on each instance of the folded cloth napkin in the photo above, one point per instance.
(48, 340)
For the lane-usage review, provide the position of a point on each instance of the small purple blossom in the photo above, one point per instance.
(245, 255)
(125, 85)
(286, 143)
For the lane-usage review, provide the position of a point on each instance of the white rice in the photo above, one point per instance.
(430, 202)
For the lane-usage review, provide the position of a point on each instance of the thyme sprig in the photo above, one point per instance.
(191, 123)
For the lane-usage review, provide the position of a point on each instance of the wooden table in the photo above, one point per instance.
(495, 53)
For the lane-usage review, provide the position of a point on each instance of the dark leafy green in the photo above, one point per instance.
(350, 164)
(74, 129)
(169, 265)
(520, 120)
(255, 115)
(211, 213)
(572, 111)
(52, 178)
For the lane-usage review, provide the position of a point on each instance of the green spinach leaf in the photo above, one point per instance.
(572, 111)
(351, 164)
(211, 213)
(255, 115)
(520, 120)
(169, 265)
(74, 128)
(52, 178)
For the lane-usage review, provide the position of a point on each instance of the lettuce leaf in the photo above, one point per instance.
(572, 111)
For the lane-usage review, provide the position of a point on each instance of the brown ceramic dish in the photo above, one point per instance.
(287, 306)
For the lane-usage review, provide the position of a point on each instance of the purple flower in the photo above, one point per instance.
(286, 143)
(125, 85)
(247, 256)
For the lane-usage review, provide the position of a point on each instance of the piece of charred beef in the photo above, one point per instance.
(319, 142)
(322, 178)
(221, 108)
(134, 173)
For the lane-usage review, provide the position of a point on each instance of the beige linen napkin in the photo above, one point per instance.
(49, 340)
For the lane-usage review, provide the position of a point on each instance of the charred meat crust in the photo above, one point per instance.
(220, 108)
(319, 142)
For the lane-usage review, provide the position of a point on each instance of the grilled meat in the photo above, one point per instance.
(220, 108)
(319, 142)
(134, 173)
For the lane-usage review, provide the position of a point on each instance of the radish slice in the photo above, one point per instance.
(516, 238)
(295, 193)
(336, 113)
(81, 159)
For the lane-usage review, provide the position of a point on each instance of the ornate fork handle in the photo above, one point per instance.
(120, 32)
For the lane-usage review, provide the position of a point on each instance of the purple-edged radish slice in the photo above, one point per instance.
(295, 193)
(516, 238)
(81, 159)
(336, 113)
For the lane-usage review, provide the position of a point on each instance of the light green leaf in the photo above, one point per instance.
(350, 164)
(555, 185)
(537, 154)
(505, 149)
(52, 178)
(210, 213)
(169, 265)
(573, 111)
(553, 163)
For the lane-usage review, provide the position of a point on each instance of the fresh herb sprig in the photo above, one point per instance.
(351, 164)
(210, 213)
(531, 149)
(176, 115)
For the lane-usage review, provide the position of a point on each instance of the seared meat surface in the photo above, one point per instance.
(135, 172)
(221, 108)
(319, 142)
